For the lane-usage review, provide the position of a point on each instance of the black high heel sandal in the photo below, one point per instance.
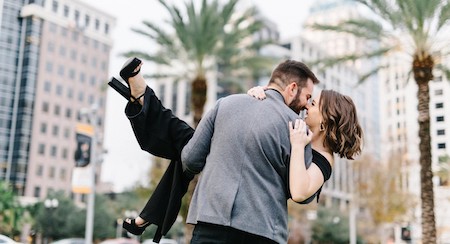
(133, 228)
(127, 72)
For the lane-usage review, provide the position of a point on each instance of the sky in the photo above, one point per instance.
(125, 164)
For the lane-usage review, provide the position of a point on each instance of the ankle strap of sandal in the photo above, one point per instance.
(136, 99)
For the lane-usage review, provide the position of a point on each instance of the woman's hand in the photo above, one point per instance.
(257, 92)
(299, 134)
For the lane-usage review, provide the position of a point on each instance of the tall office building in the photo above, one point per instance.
(54, 58)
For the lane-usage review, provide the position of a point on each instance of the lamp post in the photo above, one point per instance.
(50, 204)
(91, 115)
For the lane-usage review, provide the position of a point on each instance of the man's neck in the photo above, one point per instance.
(278, 89)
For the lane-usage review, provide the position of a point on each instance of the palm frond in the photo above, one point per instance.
(362, 28)
(159, 76)
(158, 59)
(444, 69)
(330, 61)
(444, 16)
(370, 73)
(383, 9)
(160, 36)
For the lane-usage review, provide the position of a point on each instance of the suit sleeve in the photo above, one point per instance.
(197, 149)
(156, 129)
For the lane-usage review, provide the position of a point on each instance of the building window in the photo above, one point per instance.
(61, 70)
(37, 192)
(62, 51)
(59, 90)
(69, 93)
(66, 133)
(51, 47)
(438, 92)
(73, 55)
(41, 149)
(77, 16)
(55, 130)
(45, 107)
(87, 20)
(57, 109)
(51, 172)
(64, 153)
(441, 132)
(83, 59)
(82, 77)
(53, 151)
(75, 36)
(68, 113)
(438, 79)
(66, 11)
(106, 28)
(62, 174)
(72, 74)
(39, 170)
(97, 24)
(47, 86)
(43, 128)
(439, 105)
(440, 119)
(81, 97)
(49, 67)
(92, 81)
(55, 6)
(441, 145)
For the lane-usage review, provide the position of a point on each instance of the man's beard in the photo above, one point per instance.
(295, 105)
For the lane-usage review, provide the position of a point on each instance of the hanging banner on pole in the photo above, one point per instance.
(84, 133)
(82, 180)
(82, 175)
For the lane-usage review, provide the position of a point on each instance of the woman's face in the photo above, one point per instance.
(313, 113)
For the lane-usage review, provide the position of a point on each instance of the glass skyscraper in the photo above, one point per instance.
(54, 58)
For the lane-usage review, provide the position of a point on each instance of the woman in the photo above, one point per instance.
(334, 128)
(332, 120)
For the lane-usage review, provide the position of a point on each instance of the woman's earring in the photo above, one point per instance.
(322, 127)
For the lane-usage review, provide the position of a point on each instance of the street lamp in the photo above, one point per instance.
(50, 204)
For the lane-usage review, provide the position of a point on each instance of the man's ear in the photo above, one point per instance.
(293, 89)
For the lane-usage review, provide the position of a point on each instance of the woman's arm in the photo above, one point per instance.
(303, 182)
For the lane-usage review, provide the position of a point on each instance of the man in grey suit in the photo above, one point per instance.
(242, 148)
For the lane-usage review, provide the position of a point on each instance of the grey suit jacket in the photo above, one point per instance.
(242, 148)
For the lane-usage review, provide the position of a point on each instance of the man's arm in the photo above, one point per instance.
(197, 149)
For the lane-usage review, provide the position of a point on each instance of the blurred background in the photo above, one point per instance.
(57, 56)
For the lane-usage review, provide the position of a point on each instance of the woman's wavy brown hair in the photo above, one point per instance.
(343, 134)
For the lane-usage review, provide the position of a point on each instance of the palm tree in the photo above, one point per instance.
(416, 28)
(201, 40)
(215, 37)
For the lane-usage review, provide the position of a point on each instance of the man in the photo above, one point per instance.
(242, 149)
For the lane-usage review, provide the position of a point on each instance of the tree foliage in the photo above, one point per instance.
(331, 226)
(211, 37)
(380, 190)
(10, 211)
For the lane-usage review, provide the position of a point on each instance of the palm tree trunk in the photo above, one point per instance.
(422, 68)
(198, 98)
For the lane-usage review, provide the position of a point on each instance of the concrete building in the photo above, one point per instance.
(54, 59)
